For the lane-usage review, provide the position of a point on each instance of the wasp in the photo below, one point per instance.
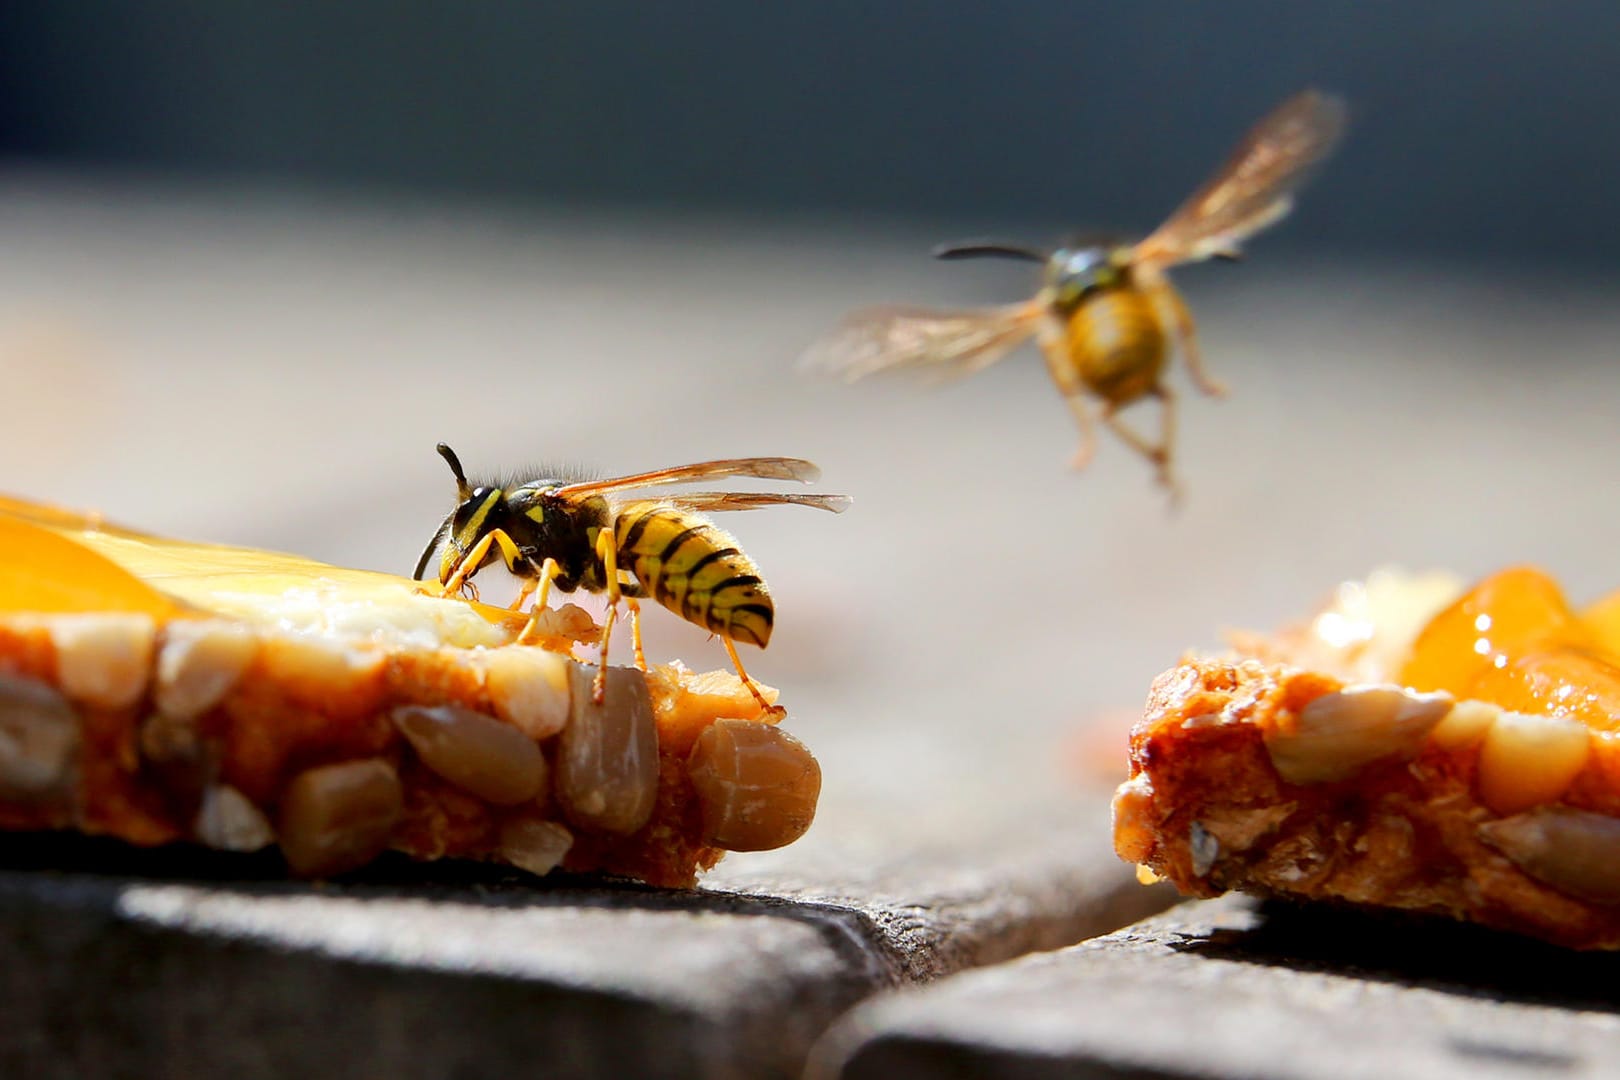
(1106, 313)
(581, 534)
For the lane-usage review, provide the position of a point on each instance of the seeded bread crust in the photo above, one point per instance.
(305, 746)
(1207, 808)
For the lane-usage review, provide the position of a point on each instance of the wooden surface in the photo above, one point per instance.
(1228, 988)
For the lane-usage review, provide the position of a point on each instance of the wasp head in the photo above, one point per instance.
(1075, 272)
(480, 511)
(480, 514)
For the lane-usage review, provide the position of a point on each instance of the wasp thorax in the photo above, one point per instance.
(1074, 272)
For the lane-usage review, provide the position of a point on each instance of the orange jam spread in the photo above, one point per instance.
(1515, 641)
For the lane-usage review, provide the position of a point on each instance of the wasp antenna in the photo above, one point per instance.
(978, 249)
(463, 489)
(438, 535)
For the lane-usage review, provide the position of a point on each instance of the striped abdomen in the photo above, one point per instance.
(1118, 344)
(695, 569)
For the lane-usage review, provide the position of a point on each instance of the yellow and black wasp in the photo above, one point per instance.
(583, 535)
(1106, 312)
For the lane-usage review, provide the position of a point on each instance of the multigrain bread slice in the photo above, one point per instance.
(1398, 751)
(161, 691)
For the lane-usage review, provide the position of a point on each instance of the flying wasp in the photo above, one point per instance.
(583, 535)
(1106, 313)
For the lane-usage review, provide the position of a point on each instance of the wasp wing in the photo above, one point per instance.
(711, 502)
(1254, 188)
(941, 342)
(765, 468)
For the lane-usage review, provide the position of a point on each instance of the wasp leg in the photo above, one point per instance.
(607, 552)
(525, 590)
(599, 684)
(1058, 364)
(467, 566)
(736, 661)
(1167, 445)
(1187, 336)
(635, 630)
(548, 570)
(470, 563)
(548, 573)
(1161, 454)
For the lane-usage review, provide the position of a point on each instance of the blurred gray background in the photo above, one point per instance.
(258, 258)
(1484, 129)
